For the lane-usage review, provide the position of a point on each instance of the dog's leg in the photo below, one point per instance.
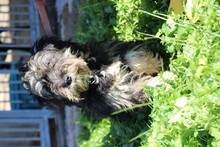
(143, 61)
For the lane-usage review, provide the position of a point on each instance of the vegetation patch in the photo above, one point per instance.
(187, 110)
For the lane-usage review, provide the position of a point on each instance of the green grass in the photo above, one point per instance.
(118, 19)
(97, 18)
(188, 112)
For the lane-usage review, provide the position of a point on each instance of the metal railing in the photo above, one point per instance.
(22, 121)
(22, 128)
(19, 28)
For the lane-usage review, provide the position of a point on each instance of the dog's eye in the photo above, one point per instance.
(67, 81)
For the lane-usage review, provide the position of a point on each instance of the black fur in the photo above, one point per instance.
(98, 56)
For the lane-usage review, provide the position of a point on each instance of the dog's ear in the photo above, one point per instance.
(52, 42)
(49, 42)
(44, 41)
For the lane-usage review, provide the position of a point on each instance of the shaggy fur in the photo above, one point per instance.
(101, 78)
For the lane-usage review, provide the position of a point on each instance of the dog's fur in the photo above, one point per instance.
(101, 78)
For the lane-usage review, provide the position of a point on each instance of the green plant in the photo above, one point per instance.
(96, 20)
(118, 19)
(188, 113)
(93, 131)
(130, 19)
(185, 111)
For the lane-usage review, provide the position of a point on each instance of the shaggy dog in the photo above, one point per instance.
(101, 78)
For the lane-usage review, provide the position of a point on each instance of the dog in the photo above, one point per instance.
(99, 77)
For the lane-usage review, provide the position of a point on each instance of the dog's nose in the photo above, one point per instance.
(67, 81)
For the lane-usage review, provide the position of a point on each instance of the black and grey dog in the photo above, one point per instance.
(101, 78)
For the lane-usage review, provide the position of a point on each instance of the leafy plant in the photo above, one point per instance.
(185, 111)
(188, 113)
(96, 20)
(93, 131)
(131, 20)
(118, 19)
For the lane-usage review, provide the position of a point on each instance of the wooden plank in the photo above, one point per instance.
(16, 37)
(15, 92)
(14, 13)
(5, 71)
(15, 120)
(24, 53)
(3, 62)
(17, 46)
(14, 5)
(15, 22)
(11, 82)
(18, 101)
(27, 114)
(15, 29)
(19, 130)
(22, 146)
(45, 133)
(14, 139)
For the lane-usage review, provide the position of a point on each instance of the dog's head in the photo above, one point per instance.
(56, 75)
